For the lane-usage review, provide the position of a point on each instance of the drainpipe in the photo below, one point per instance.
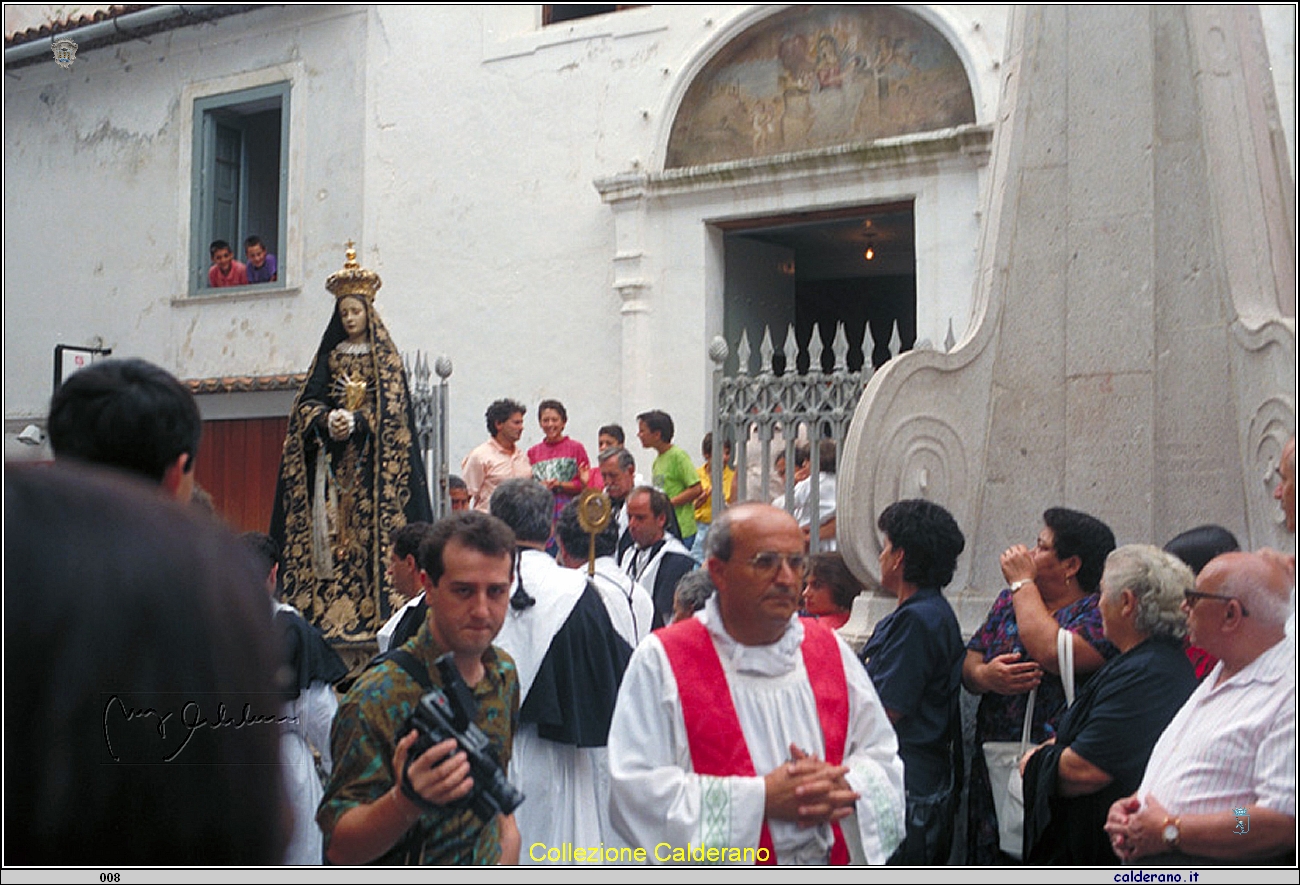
(119, 30)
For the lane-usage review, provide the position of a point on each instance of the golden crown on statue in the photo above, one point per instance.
(353, 279)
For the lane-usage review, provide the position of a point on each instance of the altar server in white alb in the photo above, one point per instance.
(746, 727)
(570, 657)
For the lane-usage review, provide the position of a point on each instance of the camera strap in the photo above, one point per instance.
(420, 673)
(408, 662)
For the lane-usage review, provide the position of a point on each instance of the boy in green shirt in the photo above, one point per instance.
(673, 472)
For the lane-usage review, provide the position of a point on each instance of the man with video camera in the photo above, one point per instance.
(371, 813)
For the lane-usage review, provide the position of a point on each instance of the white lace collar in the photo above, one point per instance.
(350, 347)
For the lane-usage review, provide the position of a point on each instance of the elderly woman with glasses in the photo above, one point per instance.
(1104, 740)
(1050, 587)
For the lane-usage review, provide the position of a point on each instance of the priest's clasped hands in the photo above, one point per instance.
(808, 790)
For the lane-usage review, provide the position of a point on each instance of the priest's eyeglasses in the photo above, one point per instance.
(1192, 595)
(769, 562)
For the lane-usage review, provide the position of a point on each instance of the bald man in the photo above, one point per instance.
(749, 733)
(1220, 784)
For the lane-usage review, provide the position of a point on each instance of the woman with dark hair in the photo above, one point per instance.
(1105, 738)
(141, 720)
(914, 658)
(1196, 547)
(1050, 588)
(829, 589)
(351, 472)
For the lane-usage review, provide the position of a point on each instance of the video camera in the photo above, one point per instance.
(449, 713)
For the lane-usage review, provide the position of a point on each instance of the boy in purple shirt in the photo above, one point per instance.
(261, 265)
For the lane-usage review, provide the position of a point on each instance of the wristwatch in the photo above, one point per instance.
(1171, 833)
(1016, 585)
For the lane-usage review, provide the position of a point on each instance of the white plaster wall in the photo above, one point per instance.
(97, 188)
(459, 146)
(499, 252)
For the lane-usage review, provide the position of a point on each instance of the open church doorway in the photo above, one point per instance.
(855, 266)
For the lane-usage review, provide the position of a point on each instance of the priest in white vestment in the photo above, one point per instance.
(569, 653)
(718, 735)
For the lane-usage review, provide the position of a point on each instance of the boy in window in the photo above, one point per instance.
(261, 265)
(225, 270)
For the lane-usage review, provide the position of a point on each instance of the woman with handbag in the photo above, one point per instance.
(1101, 748)
(1051, 588)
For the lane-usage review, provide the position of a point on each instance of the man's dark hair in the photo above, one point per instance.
(526, 506)
(658, 422)
(264, 550)
(625, 459)
(802, 454)
(1198, 546)
(406, 540)
(469, 528)
(660, 505)
(217, 246)
(574, 539)
(826, 456)
(614, 430)
(554, 404)
(128, 414)
(252, 241)
(831, 570)
(178, 614)
(502, 410)
(1087, 537)
(455, 482)
(929, 538)
(706, 447)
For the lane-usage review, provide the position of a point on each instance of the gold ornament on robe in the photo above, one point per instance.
(354, 392)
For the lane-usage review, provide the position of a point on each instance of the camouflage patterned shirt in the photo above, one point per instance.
(365, 734)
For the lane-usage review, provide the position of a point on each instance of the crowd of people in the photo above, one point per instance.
(663, 684)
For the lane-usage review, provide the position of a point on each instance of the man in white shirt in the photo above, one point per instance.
(1220, 784)
(745, 734)
(404, 570)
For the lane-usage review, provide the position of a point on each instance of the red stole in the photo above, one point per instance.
(713, 730)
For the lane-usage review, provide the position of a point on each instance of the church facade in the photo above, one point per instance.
(567, 208)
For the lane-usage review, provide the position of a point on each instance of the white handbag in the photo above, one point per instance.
(1003, 758)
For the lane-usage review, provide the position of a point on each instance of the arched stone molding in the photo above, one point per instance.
(667, 268)
(954, 23)
(1132, 354)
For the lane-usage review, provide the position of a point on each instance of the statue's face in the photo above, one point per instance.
(352, 311)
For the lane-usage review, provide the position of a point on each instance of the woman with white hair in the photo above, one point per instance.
(1102, 744)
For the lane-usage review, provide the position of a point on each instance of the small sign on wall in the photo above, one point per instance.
(69, 358)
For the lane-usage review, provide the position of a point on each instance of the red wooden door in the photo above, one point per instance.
(238, 463)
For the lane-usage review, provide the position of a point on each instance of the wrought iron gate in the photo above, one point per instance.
(430, 405)
(755, 409)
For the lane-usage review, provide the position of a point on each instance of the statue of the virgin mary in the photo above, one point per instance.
(351, 470)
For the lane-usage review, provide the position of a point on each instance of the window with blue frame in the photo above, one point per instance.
(240, 185)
